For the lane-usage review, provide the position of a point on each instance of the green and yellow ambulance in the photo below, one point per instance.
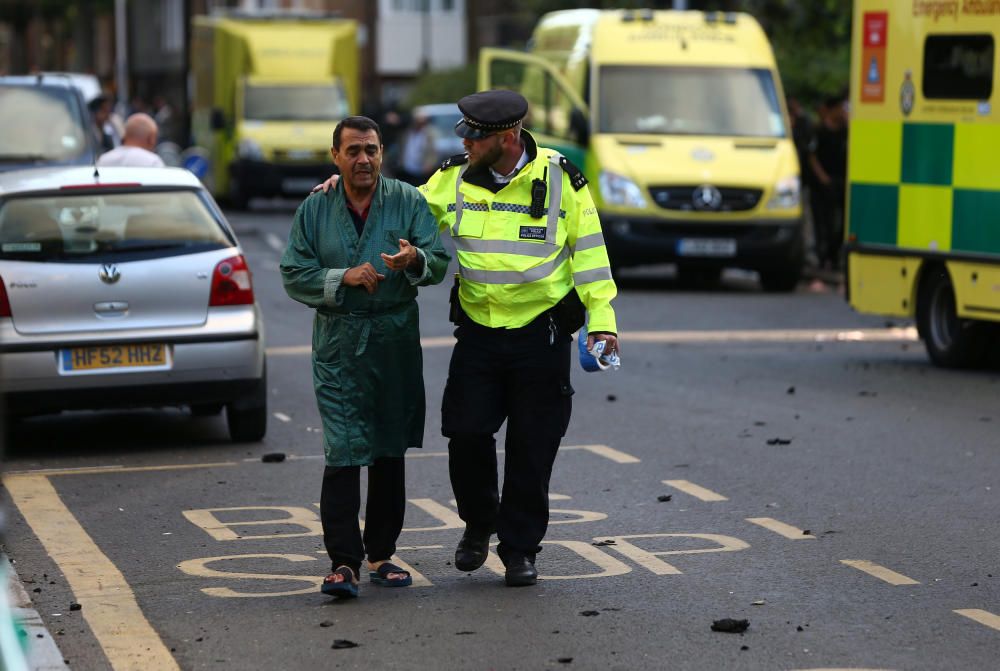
(923, 210)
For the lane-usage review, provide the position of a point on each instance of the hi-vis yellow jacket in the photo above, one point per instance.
(513, 266)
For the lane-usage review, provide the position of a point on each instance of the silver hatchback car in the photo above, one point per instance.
(126, 288)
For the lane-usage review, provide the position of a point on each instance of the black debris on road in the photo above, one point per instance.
(730, 626)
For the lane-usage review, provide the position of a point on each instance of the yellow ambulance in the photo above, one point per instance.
(923, 211)
(678, 120)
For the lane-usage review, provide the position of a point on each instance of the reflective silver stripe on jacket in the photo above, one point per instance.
(513, 276)
(586, 242)
(459, 199)
(476, 246)
(595, 275)
(555, 198)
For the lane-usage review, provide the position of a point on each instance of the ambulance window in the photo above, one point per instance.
(958, 67)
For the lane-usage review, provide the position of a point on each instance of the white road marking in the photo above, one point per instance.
(275, 243)
(694, 490)
(780, 528)
(282, 416)
(880, 572)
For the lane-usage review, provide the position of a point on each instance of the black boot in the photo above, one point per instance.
(472, 550)
(521, 570)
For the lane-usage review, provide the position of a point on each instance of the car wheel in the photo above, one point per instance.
(247, 416)
(951, 342)
(780, 280)
(238, 197)
(206, 409)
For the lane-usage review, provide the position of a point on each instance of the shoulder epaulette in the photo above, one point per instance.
(576, 178)
(457, 159)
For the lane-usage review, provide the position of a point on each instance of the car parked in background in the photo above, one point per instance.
(126, 289)
(45, 121)
(443, 117)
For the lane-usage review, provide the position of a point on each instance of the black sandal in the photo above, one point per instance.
(380, 576)
(346, 588)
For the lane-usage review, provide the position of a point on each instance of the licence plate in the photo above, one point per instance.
(299, 184)
(715, 247)
(146, 356)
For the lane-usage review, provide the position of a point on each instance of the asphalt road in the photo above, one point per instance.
(825, 482)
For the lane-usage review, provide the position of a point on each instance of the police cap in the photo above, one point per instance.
(489, 112)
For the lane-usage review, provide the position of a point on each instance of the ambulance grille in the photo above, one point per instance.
(683, 198)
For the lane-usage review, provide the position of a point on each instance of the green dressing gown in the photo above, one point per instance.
(367, 363)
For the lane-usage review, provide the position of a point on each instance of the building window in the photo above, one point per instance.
(958, 67)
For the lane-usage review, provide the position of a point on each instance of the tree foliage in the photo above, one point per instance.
(442, 86)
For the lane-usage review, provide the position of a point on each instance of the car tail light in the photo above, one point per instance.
(231, 284)
(4, 301)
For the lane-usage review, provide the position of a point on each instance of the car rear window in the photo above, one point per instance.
(40, 124)
(91, 227)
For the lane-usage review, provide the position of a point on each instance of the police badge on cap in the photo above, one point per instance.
(489, 112)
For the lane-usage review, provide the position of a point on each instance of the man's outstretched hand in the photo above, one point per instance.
(363, 276)
(406, 258)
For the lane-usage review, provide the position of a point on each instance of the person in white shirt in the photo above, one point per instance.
(137, 145)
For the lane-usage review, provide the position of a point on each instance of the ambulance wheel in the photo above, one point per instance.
(780, 280)
(951, 342)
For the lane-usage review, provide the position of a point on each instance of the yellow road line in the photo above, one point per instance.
(780, 528)
(90, 470)
(981, 616)
(880, 572)
(695, 490)
(109, 606)
(701, 337)
(611, 453)
(773, 336)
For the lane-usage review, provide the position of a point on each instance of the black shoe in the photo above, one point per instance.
(472, 550)
(521, 571)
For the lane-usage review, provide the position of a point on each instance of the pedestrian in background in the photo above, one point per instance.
(357, 254)
(802, 137)
(138, 145)
(828, 160)
(100, 112)
(418, 158)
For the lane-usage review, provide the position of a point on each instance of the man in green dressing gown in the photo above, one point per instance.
(357, 255)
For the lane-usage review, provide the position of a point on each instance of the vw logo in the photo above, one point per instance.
(706, 197)
(109, 273)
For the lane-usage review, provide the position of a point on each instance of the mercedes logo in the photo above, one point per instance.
(706, 198)
(109, 273)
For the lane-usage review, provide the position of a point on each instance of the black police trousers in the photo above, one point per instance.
(521, 376)
(340, 502)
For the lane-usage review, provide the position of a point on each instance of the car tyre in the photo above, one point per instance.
(247, 416)
(951, 342)
(238, 197)
(206, 409)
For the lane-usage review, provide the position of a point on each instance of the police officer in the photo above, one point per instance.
(531, 257)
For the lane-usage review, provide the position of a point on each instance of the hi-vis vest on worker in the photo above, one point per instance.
(513, 265)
